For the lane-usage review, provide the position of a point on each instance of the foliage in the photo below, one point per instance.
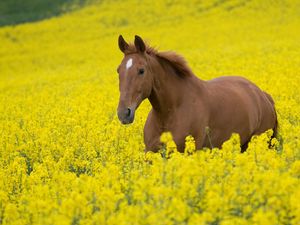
(19, 11)
(66, 159)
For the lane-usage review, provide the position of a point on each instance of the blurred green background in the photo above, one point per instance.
(13, 12)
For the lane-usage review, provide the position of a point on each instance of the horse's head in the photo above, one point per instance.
(135, 78)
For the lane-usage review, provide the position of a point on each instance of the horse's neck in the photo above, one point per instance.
(167, 91)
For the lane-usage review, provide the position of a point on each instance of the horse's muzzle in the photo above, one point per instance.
(126, 115)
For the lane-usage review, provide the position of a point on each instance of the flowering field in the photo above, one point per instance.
(66, 159)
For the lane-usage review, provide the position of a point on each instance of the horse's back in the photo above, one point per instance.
(240, 106)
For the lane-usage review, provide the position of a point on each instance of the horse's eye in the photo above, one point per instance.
(141, 71)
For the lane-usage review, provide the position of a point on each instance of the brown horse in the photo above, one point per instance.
(185, 105)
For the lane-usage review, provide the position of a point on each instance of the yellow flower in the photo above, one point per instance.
(66, 159)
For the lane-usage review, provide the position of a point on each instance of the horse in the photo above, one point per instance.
(185, 105)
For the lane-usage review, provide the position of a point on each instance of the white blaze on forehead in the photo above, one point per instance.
(129, 63)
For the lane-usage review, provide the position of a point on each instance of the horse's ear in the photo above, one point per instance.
(139, 44)
(123, 46)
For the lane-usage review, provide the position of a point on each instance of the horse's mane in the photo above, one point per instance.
(177, 62)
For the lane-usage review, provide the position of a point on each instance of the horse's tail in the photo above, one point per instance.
(275, 128)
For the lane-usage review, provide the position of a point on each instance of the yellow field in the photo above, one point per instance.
(66, 159)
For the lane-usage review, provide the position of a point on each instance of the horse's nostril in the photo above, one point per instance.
(126, 115)
(128, 112)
